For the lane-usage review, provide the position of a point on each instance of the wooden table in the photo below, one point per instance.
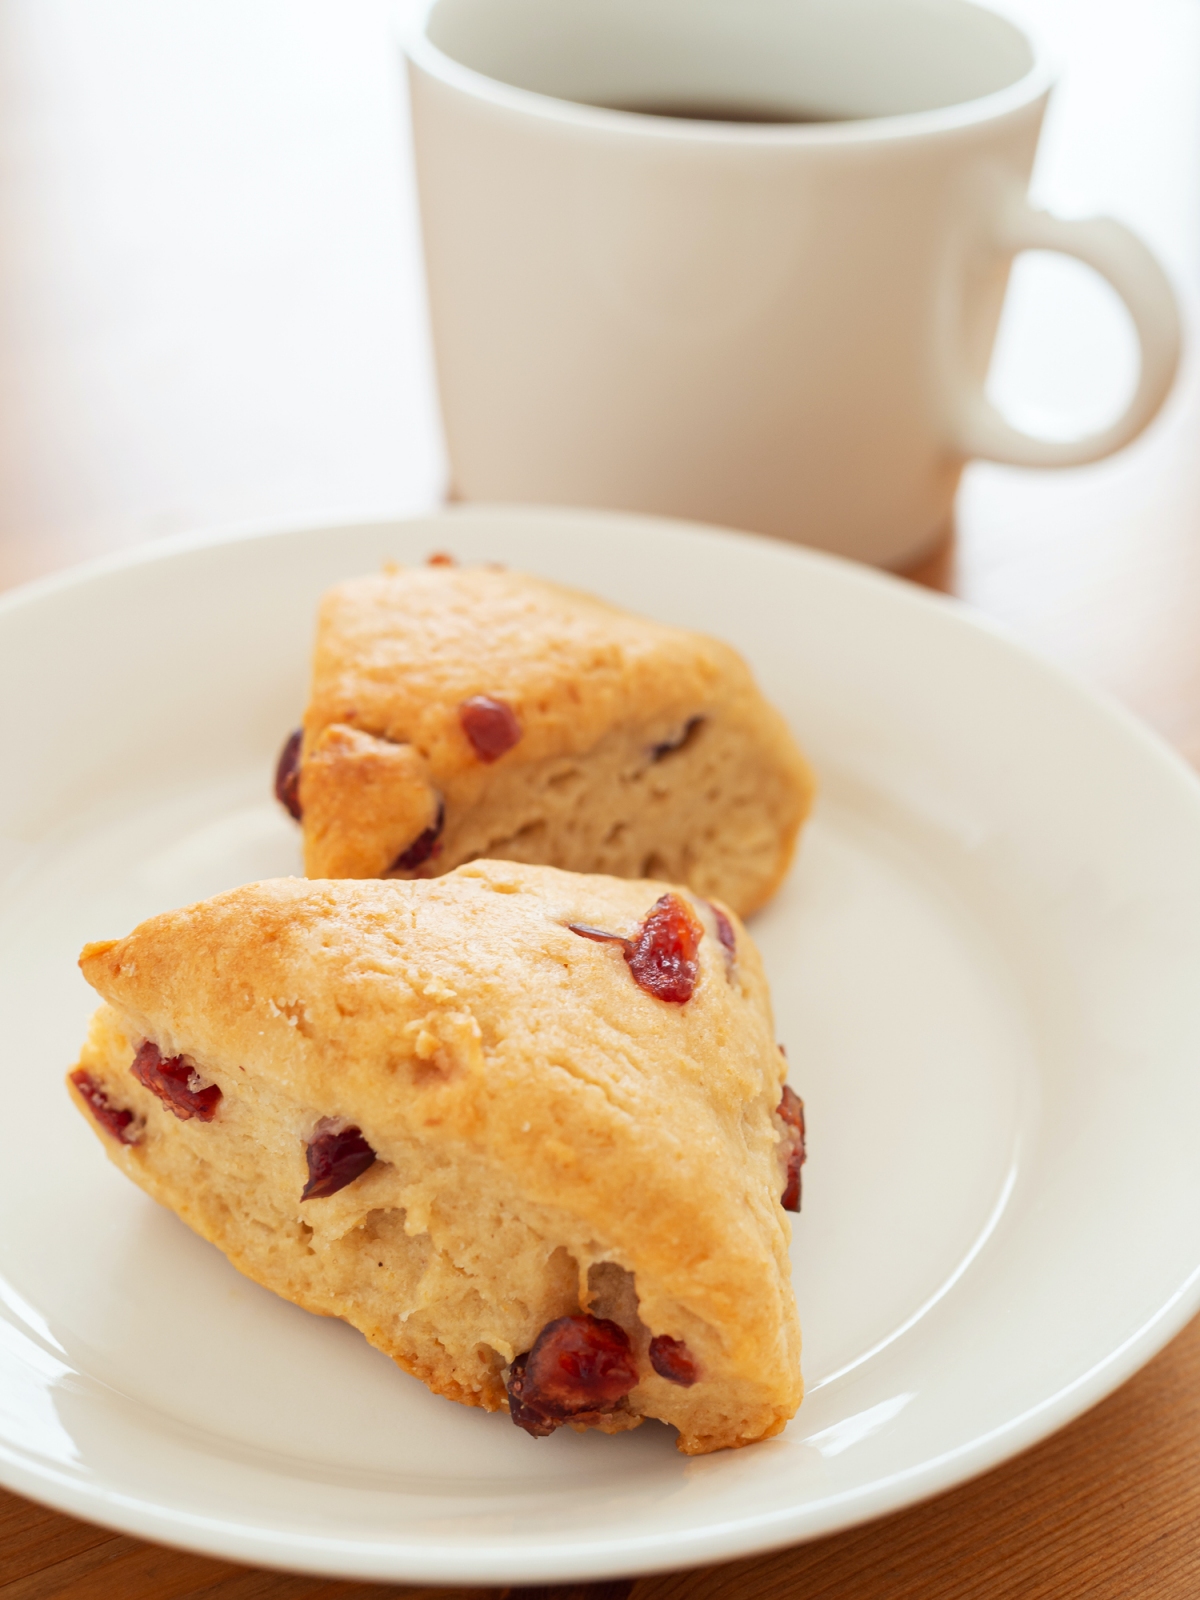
(210, 311)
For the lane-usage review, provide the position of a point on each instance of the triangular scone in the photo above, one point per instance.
(503, 1127)
(463, 713)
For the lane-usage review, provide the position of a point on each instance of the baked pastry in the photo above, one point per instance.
(520, 1127)
(464, 713)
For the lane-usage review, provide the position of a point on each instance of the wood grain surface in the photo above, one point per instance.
(211, 312)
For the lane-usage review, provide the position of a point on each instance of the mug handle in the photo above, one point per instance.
(977, 427)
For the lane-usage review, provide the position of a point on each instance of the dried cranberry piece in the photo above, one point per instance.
(113, 1119)
(791, 1111)
(176, 1083)
(725, 933)
(490, 725)
(336, 1156)
(527, 1416)
(668, 747)
(440, 558)
(423, 846)
(578, 1366)
(663, 959)
(672, 1360)
(287, 775)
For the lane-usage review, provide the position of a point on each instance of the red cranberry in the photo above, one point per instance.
(668, 747)
(287, 775)
(423, 846)
(725, 933)
(662, 958)
(578, 1365)
(115, 1120)
(490, 725)
(439, 558)
(791, 1111)
(176, 1083)
(336, 1156)
(523, 1412)
(672, 1360)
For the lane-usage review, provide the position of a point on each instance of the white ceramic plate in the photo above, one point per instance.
(985, 970)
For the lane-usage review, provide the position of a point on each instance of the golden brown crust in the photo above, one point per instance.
(366, 799)
(539, 1120)
(644, 750)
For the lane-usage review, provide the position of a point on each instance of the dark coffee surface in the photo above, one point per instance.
(698, 111)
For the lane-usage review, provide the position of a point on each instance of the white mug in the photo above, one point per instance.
(780, 326)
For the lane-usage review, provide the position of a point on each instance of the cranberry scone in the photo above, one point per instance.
(462, 713)
(526, 1130)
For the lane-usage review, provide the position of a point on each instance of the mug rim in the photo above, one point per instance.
(1031, 86)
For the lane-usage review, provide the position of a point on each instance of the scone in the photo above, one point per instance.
(526, 1130)
(466, 713)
